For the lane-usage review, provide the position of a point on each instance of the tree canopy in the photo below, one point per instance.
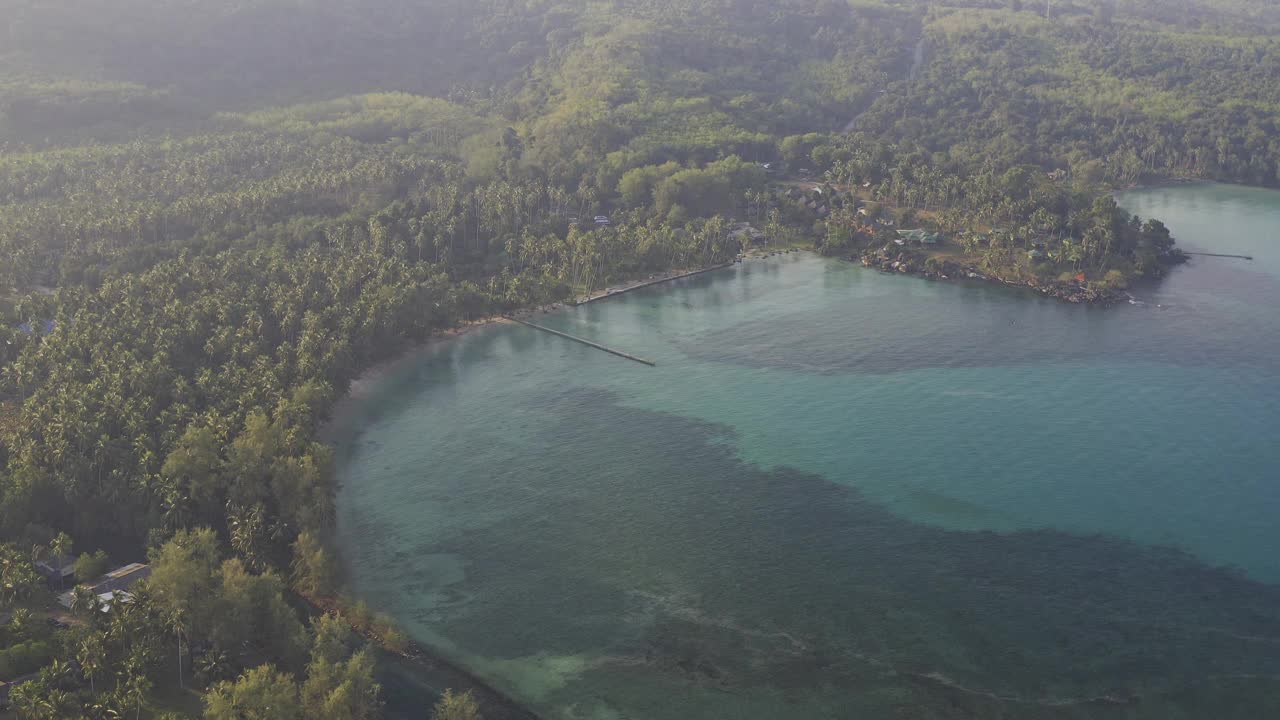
(214, 216)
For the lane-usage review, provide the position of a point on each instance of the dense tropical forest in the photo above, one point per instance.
(213, 216)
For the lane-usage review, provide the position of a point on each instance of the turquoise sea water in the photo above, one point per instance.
(842, 494)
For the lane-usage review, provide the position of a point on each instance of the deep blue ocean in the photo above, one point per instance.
(842, 494)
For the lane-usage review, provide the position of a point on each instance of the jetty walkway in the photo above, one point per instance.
(614, 292)
(588, 343)
(1238, 257)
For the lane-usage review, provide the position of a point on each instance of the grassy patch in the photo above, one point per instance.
(169, 698)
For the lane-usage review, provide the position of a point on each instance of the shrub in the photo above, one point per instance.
(23, 659)
(457, 706)
(90, 567)
(1115, 280)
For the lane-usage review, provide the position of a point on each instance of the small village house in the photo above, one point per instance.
(115, 585)
(58, 571)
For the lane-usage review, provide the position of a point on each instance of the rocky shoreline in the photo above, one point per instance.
(908, 263)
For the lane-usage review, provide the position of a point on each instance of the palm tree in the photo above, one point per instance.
(83, 601)
(213, 666)
(7, 570)
(60, 704)
(246, 535)
(61, 546)
(30, 700)
(91, 655)
(58, 672)
(177, 623)
(136, 685)
(19, 621)
(104, 709)
(175, 506)
(125, 623)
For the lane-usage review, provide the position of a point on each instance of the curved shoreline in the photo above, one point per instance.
(427, 665)
(923, 675)
(905, 264)
(360, 389)
(361, 386)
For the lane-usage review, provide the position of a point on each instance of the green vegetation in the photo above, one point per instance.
(213, 216)
(1019, 224)
(1109, 92)
(91, 567)
(21, 656)
(199, 622)
(455, 706)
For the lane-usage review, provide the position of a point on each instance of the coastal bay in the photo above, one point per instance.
(842, 493)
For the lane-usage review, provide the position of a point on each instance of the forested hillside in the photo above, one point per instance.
(1094, 93)
(214, 215)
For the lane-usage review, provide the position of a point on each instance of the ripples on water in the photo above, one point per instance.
(842, 494)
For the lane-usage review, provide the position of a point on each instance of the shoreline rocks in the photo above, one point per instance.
(906, 263)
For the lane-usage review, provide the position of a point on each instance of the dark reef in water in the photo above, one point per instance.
(737, 578)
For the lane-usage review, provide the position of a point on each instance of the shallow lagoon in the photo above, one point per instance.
(844, 494)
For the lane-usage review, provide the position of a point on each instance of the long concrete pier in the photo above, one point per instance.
(588, 343)
(646, 283)
(1238, 257)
